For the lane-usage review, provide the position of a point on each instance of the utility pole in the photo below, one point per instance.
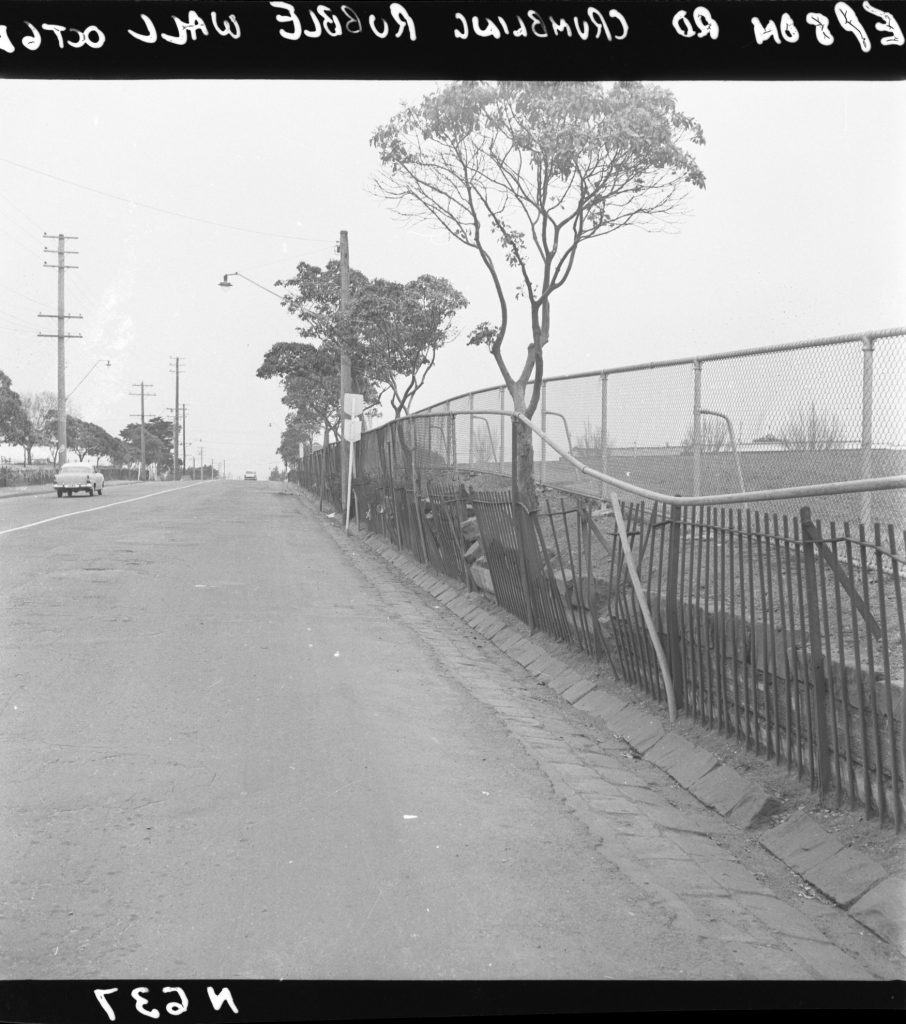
(176, 422)
(183, 437)
(201, 460)
(61, 335)
(345, 364)
(143, 393)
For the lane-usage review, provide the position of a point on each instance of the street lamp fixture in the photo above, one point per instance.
(227, 283)
(319, 322)
(313, 318)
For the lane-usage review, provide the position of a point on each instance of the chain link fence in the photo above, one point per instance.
(812, 412)
(777, 623)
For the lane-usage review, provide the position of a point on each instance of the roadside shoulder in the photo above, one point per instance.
(853, 863)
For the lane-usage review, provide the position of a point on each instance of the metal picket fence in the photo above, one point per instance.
(776, 622)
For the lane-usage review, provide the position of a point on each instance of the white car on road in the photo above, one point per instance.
(78, 476)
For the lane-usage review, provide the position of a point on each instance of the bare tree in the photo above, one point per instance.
(524, 173)
(36, 407)
(808, 430)
(713, 434)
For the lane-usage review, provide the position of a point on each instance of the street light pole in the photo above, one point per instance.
(341, 326)
(345, 364)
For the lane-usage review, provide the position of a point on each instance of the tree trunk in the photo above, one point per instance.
(524, 453)
(525, 466)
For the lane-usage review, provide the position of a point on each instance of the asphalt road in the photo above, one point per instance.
(226, 751)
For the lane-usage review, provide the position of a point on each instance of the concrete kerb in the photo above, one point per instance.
(562, 678)
(508, 637)
(579, 690)
(851, 880)
(883, 910)
(525, 652)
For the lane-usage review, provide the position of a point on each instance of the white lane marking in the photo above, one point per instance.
(100, 508)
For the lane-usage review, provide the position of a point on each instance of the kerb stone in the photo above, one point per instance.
(800, 843)
(682, 760)
(730, 794)
(640, 731)
(560, 682)
(601, 704)
(846, 876)
(883, 910)
(578, 690)
(524, 652)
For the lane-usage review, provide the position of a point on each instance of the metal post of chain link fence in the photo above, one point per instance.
(521, 542)
(697, 428)
(502, 431)
(471, 429)
(544, 429)
(868, 350)
(603, 432)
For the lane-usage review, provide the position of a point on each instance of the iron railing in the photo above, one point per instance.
(770, 610)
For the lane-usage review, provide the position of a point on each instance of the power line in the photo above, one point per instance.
(160, 209)
(20, 213)
(21, 295)
(14, 319)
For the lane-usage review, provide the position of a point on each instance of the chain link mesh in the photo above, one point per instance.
(812, 413)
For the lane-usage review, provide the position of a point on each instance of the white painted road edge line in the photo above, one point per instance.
(100, 508)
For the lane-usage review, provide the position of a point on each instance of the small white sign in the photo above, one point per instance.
(301, 450)
(352, 430)
(353, 405)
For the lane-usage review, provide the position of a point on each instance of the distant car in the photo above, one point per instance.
(250, 474)
(78, 476)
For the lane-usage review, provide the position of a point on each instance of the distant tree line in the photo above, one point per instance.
(29, 421)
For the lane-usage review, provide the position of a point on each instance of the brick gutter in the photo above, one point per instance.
(850, 879)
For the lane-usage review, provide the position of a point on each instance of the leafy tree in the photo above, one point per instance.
(402, 327)
(11, 411)
(158, 440)
(88, 438)
(311, 382)
(394, 332)
(118, 452)
(526, 172)
(315, 300)
(300, 429)
(49, 431)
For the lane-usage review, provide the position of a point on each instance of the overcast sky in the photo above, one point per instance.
(800, 233)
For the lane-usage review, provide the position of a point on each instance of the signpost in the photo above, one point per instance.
(353, 406)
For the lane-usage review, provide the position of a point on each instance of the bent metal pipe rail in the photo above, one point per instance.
(841, 487)
(810, 490)
(883, 483)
